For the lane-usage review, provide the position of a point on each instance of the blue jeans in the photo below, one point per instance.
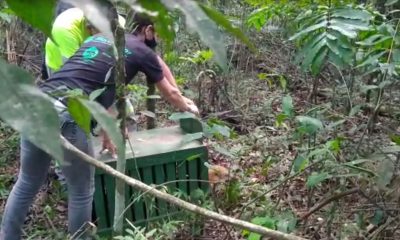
(32, 174)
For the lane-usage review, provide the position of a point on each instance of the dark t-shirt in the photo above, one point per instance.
(91, 68)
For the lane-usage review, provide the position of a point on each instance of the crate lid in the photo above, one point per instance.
(152, 142)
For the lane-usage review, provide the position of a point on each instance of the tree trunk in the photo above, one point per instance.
(119, 50)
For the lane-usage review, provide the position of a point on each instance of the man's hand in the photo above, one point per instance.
(188, 101)
(193, 109)
(192, 106)
(108, 146)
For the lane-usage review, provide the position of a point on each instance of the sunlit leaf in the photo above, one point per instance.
(308, 124)
(313, 53)
(181, 115)
(352, 14)
(374, 40)
(300, 163)
(350, 33)
(316, 178)
(80, 114)
(318, 61)
(96, 93)
(254, 236)
(187, 138)
(287, 105)
(309, 29)
(39, 16)
(28, 110)
(267, 222)
(371, 60)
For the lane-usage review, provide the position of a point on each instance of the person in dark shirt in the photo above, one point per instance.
(90, 69)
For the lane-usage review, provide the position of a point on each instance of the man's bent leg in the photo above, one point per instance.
(34, 166)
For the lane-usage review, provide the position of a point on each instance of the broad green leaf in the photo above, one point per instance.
(267, 222)
(38, 13)
(352, 14)
(313, 53)
(222, 130)
(287, 106)
(334, 145)
(371, 60)
(286, 225)
(221, 20)
(198, 21)
(300, 163)
(309, 125)
(334, 47)
(390, 2)
(343, 30)
(336, 60)
(80, 114)
(310, 43)
(187, 138)
(108, 123)
(28, 110)
(366, 88)
(356, 109)
(96, 93)
(179, 116)
(224, 151)
(318, 61)
(374, 40)
(396, 55)
(254, 236)
(385, 172)
(350, 24)
(316, 178)
(309, 29)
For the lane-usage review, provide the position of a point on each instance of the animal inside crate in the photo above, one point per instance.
(160, 156)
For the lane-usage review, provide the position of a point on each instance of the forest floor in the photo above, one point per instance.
(252, 173)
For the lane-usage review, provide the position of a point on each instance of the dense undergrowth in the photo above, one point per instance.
(308, 129)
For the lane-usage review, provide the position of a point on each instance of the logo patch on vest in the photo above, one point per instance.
(90, 53)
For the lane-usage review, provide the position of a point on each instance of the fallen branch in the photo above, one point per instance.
(328, 200)
(176, 201)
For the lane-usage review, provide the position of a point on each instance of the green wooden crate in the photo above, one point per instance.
(160, 156)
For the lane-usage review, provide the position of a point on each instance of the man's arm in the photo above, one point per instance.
(167, 72)
(171, 80)
(174, 96)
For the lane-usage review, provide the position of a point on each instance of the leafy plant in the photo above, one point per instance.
(137, 233)
(328, 33)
